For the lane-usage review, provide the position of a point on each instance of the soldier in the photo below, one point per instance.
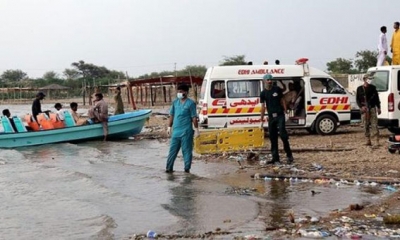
(370, 105)
(272, 100)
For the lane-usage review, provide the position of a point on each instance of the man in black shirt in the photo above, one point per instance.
(271, 99)
(36, 106)
(370, 105)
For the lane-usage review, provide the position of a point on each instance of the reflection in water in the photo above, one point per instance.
(279, 195)
(183, 203)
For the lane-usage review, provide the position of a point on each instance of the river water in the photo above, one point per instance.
(112, 190)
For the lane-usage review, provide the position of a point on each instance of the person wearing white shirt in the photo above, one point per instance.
(60, 111)
(382, 47)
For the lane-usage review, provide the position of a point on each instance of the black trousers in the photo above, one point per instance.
(276, 126)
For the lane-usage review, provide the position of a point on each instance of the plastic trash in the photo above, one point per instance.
(313, 233)
(151, 234)
(317, 166)
(390, 188)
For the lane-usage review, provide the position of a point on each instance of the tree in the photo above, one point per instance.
(340, 65)
(89, 70)
(365, 59)
(194, 70)
(14, 75)
(235, 60)
(51, 75)
(71, 74)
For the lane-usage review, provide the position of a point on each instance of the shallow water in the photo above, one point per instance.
(112, 190)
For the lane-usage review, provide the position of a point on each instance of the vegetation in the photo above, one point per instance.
(363, 60)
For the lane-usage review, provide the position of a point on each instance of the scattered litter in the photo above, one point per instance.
(355, 207)
(392, 219)
(317, 166)
(390, 188)
(313, 233)
(151, 234)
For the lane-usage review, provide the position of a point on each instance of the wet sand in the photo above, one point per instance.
(341, 156)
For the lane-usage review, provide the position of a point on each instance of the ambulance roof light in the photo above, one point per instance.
(301, 61)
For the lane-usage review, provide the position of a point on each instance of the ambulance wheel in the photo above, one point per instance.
(326, 125)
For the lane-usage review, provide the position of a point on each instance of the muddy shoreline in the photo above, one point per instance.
(338, 159)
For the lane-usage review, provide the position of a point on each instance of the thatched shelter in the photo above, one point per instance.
(53, 88)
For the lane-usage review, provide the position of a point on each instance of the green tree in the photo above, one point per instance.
(51, 75)
(71, 74)
(89, 70)
(365, 59)
(234, 60)
(341, 65)
(194, 70)
(13, 75)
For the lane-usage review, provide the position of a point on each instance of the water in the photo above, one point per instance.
(112, 190)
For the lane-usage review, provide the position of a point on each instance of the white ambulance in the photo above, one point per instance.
(387, 82)
(317, 102)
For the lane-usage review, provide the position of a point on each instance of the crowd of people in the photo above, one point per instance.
(394, 46)
(97, 113)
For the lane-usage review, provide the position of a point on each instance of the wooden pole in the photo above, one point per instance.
(164, 94)
(151, 96)
(141, 94)
(131, 97)
(145, 95)
(84, 91)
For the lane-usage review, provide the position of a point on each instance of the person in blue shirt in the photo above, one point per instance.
(183, 117)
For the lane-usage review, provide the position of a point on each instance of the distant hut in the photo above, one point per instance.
(53, 89)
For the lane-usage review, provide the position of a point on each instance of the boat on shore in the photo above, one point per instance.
(120, 126)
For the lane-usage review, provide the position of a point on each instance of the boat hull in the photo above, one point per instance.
(121, 127)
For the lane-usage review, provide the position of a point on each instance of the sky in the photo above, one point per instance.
(143, 36)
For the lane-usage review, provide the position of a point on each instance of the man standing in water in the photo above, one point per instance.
(382, 47)
(272, 100)
(183, 117)
(98, 113)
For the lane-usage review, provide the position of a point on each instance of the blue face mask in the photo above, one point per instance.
(179, 95)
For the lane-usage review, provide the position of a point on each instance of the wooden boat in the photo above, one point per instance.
(119, 126)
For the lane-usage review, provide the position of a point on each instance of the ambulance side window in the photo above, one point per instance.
(244, 88)
(326, 86)
(398, 80)
(218, 89)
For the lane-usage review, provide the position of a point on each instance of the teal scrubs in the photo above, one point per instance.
(182, 132)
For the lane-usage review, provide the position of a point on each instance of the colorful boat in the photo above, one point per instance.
(120, 126)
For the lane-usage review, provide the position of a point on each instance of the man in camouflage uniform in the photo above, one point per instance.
(370, 105)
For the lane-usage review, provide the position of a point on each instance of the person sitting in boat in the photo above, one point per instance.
(98, 113)
(78, 121)
(60, 111)
(36, 106)
(7, 114)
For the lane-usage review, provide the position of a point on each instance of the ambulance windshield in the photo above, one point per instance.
(381, 80)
